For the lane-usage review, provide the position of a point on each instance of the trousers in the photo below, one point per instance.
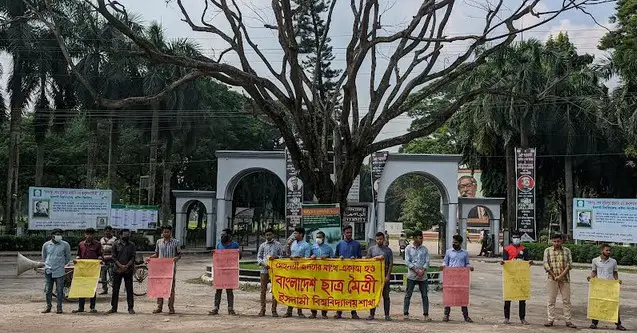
(564, 288)
(229, 293)
(82, 301)
(48, 290)
(171, 299)
(422, 286)
(465, 311)
(265, 279)
(386, 301)
(507, 309)
(128, 284)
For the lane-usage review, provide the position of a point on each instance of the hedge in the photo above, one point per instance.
(584, 253)
(34, 242)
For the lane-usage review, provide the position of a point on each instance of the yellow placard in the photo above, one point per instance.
(603, 300)
(517, 280)
(86, 273)
(328, 284)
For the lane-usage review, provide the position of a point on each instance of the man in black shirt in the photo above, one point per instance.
(124, 258)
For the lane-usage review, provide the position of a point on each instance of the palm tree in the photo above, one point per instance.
(18, 39)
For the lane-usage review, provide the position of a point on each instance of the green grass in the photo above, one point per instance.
(398, 268)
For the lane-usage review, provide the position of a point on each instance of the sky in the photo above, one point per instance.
(467, 18)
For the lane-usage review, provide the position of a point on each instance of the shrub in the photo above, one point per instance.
(584, 253)
(35, 242)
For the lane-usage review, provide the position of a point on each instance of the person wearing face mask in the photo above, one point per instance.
(56, 253)
(124, 253)
(226, 243)
(270, 249)
(457, 257)
(515, 251)
(320, 250)
(89, 248)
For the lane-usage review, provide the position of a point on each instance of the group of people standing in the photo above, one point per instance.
(118, 255)
(120, 252)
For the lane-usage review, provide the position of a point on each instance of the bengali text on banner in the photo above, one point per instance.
(328, 284)
(86, 272)
(455, 286)
(225, 264)
(161, 272)
(603, 300)
(517, 280)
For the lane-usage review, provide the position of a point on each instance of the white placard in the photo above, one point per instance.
(68, 209)
(605, 220)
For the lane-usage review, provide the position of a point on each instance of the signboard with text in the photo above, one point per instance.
(605, 220)
(525, 193)
(357, 217)
(68, 209)
(133, 217)
(293, 193)
(325, 218)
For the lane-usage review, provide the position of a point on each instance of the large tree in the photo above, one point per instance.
(289, 95)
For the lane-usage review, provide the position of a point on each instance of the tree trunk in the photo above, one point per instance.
(568, 193)
(152, 170)
(510, 222)
(91, 155)
(113, 143)
(13, 165)
(168, 173)
(39, 163)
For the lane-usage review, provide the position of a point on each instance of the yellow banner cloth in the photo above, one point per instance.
(516, 280)
(86, 273)
(603, 300)
(328, 284)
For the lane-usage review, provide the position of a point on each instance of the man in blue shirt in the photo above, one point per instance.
(297, 248)
(320, 250)
(56, 254)
(417, 260)
(351, 249)
(457, 257)
(226, 243)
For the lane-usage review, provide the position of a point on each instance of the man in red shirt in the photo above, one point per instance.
(89, 248)
(515, 251)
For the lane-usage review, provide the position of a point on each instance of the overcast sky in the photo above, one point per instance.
(467, 18)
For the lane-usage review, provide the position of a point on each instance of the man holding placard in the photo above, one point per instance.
(225, 243)
(512, 255)
(605, 268)
(89, 248)
(457, 257)
(557, 263)
(167, 247)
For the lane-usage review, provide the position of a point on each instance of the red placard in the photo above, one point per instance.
(455, 286)
(225, 264)
(161, 272)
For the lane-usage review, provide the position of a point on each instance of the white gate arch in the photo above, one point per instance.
(442, 170)
(232, 166)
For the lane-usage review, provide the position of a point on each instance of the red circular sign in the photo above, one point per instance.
(526, 183)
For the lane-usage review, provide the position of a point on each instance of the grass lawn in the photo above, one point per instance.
(396, 269)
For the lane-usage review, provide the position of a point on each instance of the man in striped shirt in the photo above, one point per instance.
(167, 247)
(270, 249)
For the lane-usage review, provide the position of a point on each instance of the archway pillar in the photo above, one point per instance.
(452, 224)
(222, 216)
(210, 230)
(381, 218)
(180, 226)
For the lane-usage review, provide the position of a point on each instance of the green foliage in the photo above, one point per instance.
(35, 242)
(584, 253)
